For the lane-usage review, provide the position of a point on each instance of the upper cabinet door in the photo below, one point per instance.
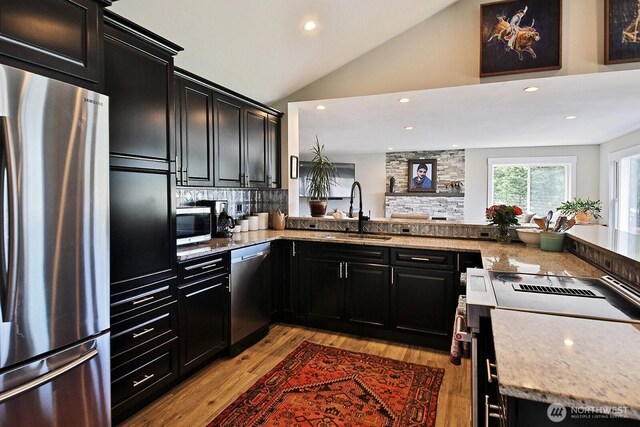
(228, 142)
(197, 134)
(273, 135)
(257, 148)
(139, 82)
(63, 36)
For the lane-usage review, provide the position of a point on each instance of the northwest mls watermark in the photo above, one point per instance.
(557, 412)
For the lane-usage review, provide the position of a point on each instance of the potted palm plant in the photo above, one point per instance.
(322, 174)
(583, 210)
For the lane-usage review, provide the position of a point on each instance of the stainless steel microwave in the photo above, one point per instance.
(193, 224)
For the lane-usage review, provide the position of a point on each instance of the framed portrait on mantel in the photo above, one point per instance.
(622, 31)
(423, 176)
(520, 36)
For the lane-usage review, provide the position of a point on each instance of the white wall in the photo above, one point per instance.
(630, 140)
(476, 172)
(370, 172)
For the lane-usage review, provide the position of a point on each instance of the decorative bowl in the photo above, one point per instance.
(529, 236)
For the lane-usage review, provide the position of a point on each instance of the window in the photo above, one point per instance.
(536, 184)
(625, 190)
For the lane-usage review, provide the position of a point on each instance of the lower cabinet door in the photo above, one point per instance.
(421, 300)
(325, 289)
(203, 312)
(145, 377)
(367, 299)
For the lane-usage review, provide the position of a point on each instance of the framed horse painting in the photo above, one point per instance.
(622, 31)
(520, 36)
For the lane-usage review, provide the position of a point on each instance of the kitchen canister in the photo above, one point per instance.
(243, 224)
(263, 220)
(551, 241)
(254, 223)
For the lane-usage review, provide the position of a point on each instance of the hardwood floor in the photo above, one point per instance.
(196, 401)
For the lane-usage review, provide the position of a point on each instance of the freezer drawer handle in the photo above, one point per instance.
(144, 332)
(144, 380)
(37, 382)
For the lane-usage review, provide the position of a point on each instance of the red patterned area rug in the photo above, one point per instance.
(318, 386)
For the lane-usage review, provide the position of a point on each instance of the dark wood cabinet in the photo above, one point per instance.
(324, 289)
(139, 82)
(421, 300)
(367, 294)
(224, 139)
(142, 205)
(194, 143)
(341, 285)
(273, 140)
(204, 320)
(61, 39)
(257, 148)
(286, 293)
(228, 142)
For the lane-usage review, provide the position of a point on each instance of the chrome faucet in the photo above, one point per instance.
(360, 216)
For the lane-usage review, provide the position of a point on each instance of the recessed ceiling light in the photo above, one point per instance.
(408, 128)
(531, 89)
(570, 117)
(454, 145)
(390, 148)
(309, 25)
(568, 342)
(404, 100)
(321, 107)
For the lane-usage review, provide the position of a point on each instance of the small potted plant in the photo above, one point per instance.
(322, 174)
(583, 210)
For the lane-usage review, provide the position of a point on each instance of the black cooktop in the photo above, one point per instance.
(590, 298)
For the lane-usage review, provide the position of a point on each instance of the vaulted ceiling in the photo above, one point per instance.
(260, 49)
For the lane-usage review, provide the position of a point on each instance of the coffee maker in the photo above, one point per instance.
(222, 223)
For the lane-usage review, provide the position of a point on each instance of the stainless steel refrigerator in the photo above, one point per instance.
(54, 253)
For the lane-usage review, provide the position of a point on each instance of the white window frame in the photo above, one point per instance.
(570, 162)
(614, 169)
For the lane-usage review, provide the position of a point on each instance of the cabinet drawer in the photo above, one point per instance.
(205, 266)
(417, 258)
(130, 303)
(352, 253)
(135, 332)
(133, 382)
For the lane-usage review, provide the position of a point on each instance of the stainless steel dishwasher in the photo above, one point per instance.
(250, 284)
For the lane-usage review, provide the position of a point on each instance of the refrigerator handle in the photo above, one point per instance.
(37, 382)
(9, 237)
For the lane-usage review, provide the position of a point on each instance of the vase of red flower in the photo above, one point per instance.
(503, 217)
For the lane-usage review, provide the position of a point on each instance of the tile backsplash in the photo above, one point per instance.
(248, 200)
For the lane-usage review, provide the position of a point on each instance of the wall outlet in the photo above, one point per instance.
(312, 226)
(238, 207)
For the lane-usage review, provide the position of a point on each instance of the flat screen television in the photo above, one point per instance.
(346, 178)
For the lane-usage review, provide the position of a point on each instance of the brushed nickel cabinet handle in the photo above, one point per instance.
(140, 301)
(415, 258)
(142, 381)
(144, 332)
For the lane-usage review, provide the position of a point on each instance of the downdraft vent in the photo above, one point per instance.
(552, 290)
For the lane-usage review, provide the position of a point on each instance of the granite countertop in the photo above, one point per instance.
(567, 360)
(513, 257)
(615, 241)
